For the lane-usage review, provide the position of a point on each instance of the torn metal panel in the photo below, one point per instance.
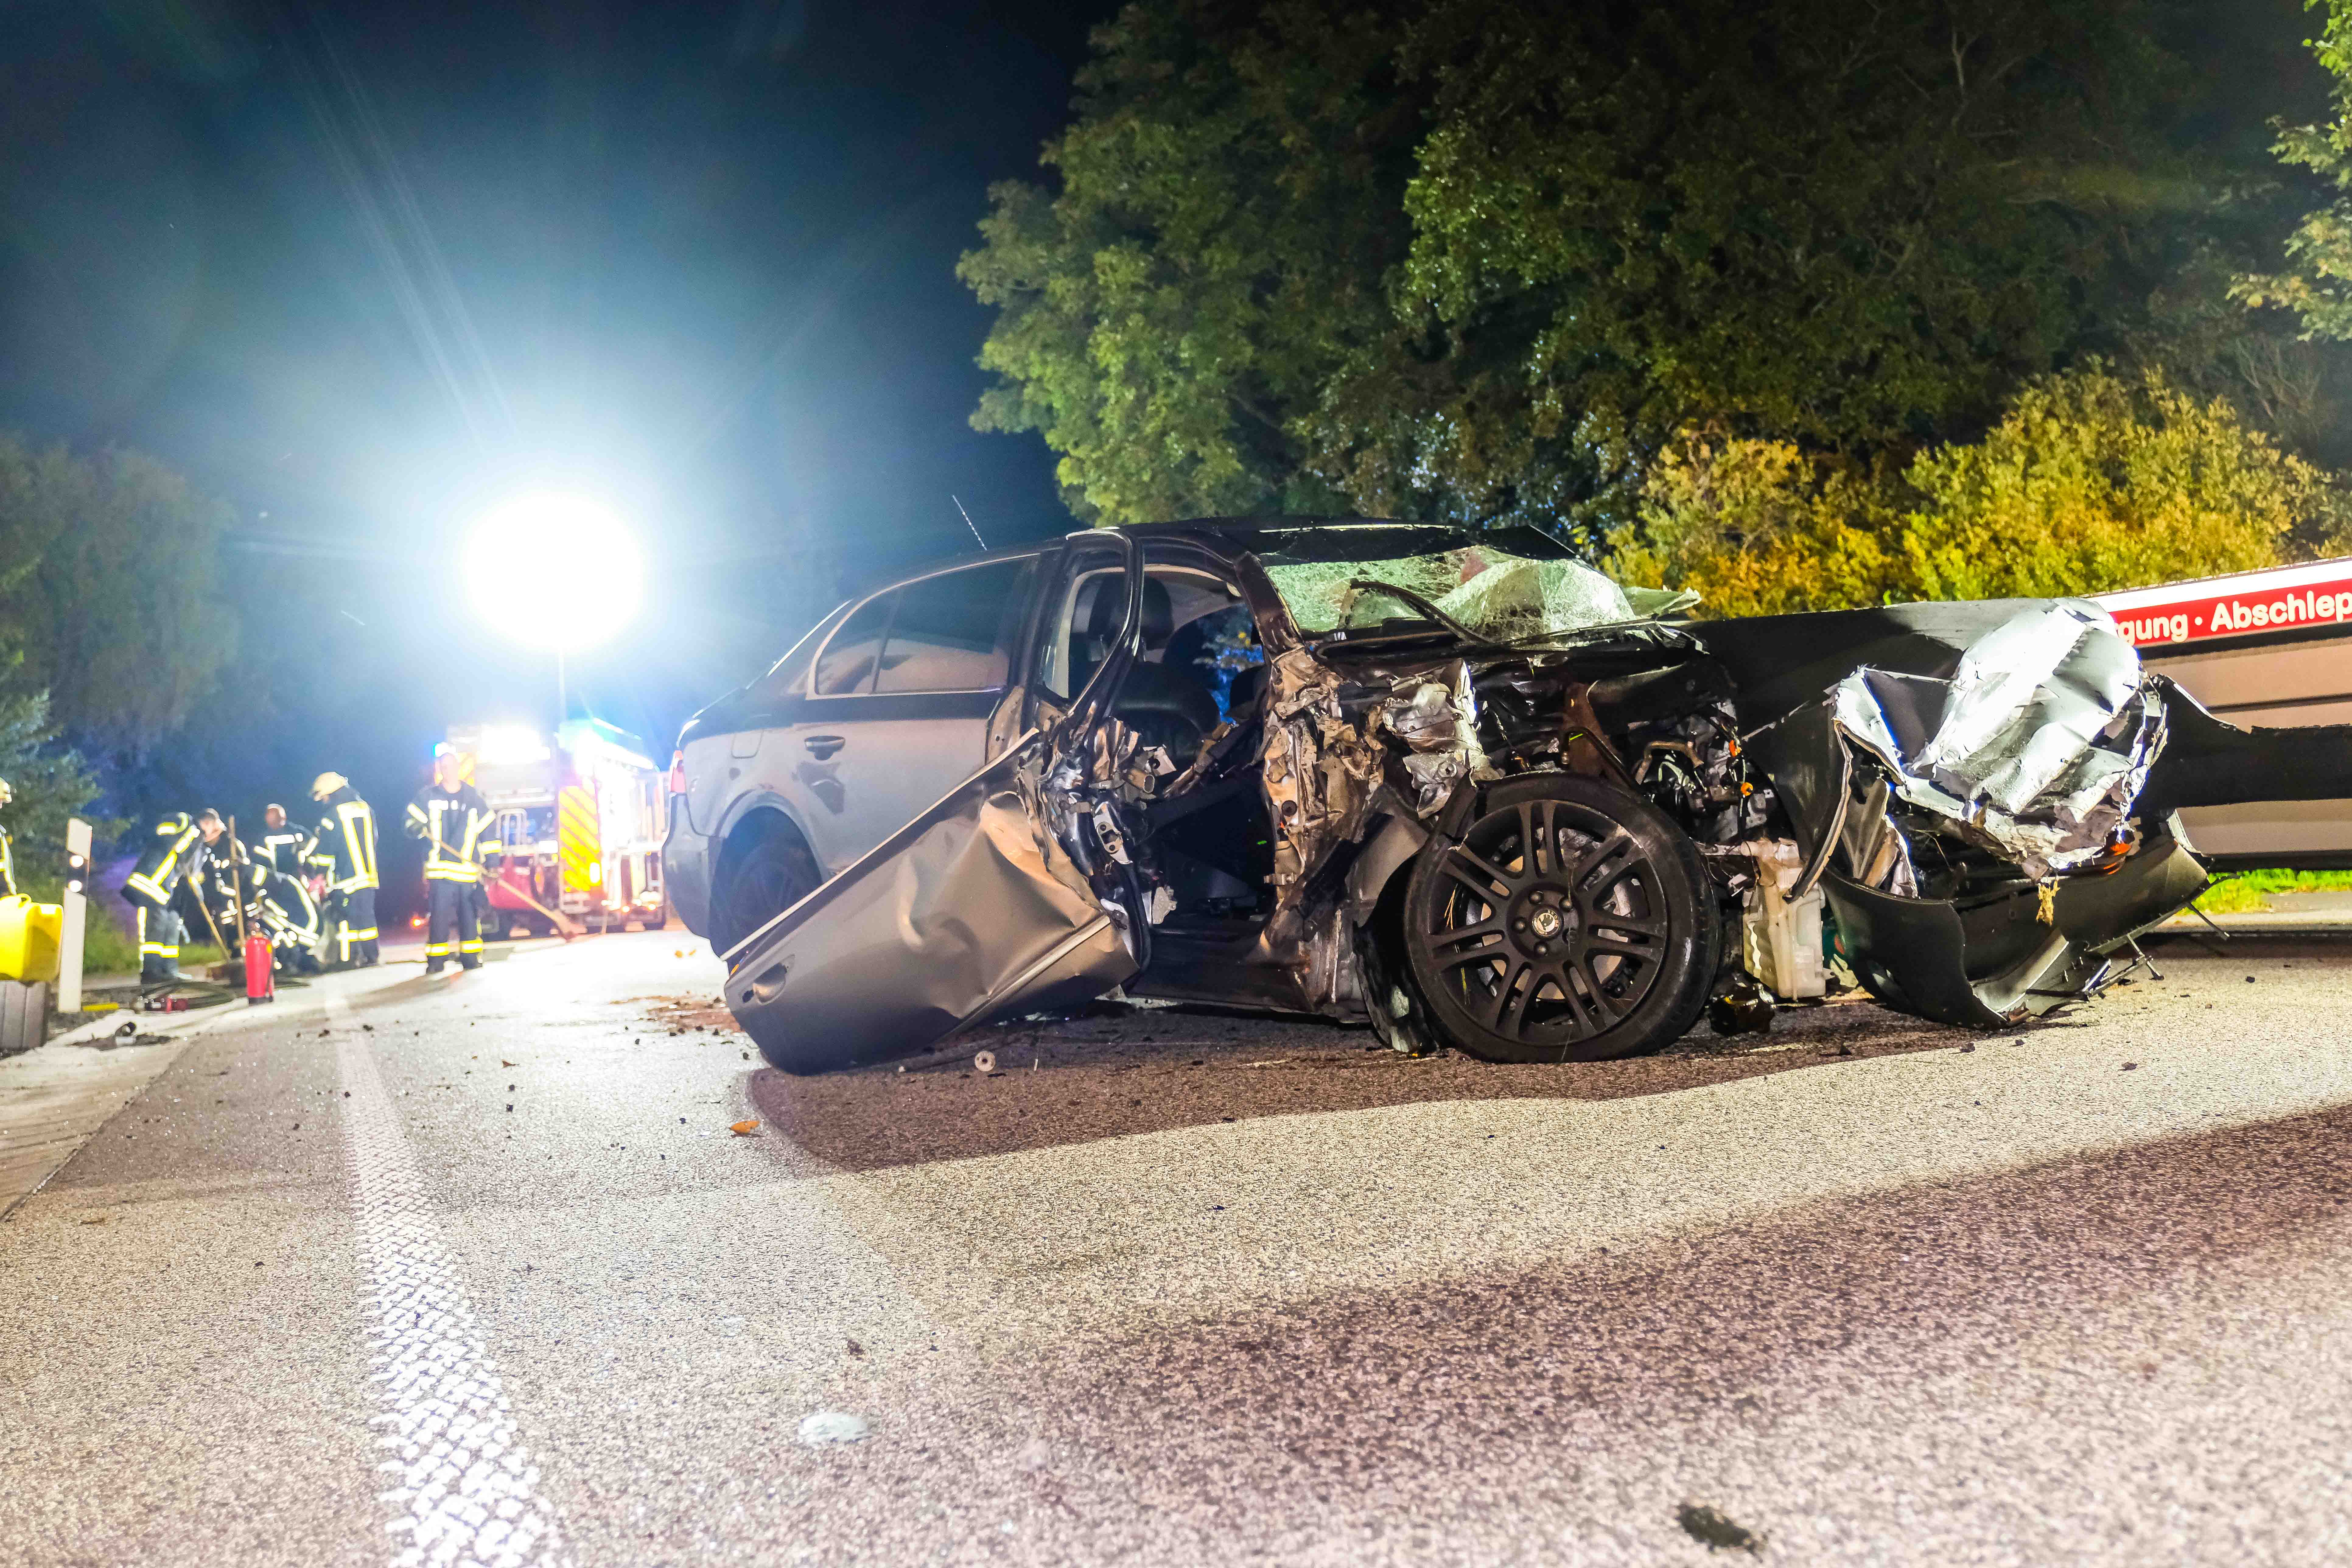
(1437, 721)
(1318, 777)
(1995, 961)
(1780, 928)
(971, 911)
(2036, 746)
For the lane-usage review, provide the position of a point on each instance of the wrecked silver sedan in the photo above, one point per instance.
(1466, 790)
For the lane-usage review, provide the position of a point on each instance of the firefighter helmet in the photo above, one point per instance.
(326, 784)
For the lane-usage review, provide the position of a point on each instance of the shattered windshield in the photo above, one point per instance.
(1489, 589)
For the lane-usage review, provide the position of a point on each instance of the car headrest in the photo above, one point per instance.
(1158, 612)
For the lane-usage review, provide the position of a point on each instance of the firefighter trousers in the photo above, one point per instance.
(160, 934)
(450, 929)
(350, 921)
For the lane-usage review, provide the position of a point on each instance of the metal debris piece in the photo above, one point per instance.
(2035, 748)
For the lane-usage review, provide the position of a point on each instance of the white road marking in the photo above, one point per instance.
(464, 1487)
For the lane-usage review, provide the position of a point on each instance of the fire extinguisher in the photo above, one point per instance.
(260, 973)
(260, 979)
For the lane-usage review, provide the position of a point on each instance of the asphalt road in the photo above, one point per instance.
(475, 1270)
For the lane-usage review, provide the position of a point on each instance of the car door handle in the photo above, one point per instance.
(823, 746)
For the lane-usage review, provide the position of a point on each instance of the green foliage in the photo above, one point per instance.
(1834, 222)
(2091, 481)
(50, 781)
(1489, 260)
(110, 592)
(1760, 527)
(2318, 283)
(1229, 207)
(2250, 891)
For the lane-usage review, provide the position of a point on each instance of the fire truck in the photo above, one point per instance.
(580, 818)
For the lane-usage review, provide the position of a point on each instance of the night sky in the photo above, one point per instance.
(362, 270)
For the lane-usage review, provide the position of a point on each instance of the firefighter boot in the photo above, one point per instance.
(447, 913)
(160, 932)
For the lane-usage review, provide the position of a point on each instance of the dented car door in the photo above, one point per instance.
(1008, 893)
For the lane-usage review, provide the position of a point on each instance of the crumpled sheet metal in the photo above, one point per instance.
(1437, 721)
(971, 909)
(2037, 746)
(1319, 775)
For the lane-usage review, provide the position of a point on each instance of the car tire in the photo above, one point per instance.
(1602, 944)
(769, 877)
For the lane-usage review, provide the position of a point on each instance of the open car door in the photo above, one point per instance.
(1011, 893)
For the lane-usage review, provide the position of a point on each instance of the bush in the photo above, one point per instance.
(2091, 482)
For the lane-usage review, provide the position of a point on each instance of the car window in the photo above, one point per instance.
(1184, 608)
(847, 665)
(955, 632)
(785, 675)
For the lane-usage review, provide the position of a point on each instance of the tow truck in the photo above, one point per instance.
(580, 821)
(2267, 649)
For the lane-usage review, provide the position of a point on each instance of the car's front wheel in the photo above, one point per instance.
(1571, 922)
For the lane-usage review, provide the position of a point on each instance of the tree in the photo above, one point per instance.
(1230, 206)
(2318, 283)
(1486, 260)
(51, 783)
(2092, 482)
(1834, 222)
(110, 592)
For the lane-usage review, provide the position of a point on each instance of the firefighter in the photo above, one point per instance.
(8, 850)
(284, 847)
(225, 877)
(450, 817)
(152, 889)
(344, 853)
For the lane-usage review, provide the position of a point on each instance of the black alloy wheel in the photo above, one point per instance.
(772, 875)
(1572, 921)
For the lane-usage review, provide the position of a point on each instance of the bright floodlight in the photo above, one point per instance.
(554, 569)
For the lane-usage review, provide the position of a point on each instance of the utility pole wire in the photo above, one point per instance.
(967, 519)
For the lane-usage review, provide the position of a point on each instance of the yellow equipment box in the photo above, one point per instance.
(29, 933)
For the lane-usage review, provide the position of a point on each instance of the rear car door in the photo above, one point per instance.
(899, 703)
(990, 899)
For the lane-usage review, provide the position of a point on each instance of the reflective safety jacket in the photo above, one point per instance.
(344, 847)
(165, 863)
(289, 914)
(217, 873)
(286, 851)
(453, 823)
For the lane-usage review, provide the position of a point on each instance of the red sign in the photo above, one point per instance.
(2290, 598)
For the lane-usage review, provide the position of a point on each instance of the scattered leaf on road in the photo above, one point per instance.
(744, 1129)
(1703, 1523)
(833, 1427)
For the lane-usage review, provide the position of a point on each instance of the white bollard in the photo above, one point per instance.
(77, 910)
